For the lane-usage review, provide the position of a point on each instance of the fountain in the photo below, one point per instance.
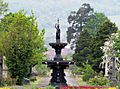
(58, 64)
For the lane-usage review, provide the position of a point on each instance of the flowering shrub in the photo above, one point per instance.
(87, 87)
(5, 88)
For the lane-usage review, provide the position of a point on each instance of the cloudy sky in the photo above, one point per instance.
(47, 11)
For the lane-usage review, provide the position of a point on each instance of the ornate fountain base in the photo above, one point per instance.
(58, 75)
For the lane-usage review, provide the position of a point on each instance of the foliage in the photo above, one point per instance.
(22, 43)
(88, 72)
(109, 53)
(99, 81)
(3, 7)
(117, 44)
(76, 21)
(8, 82)
(50, 87)
(83, 49)
(89, 43)
(118, 85)
(86, 87)
(33, 79)
(106, 29)
(77, 70)
(87, 46)
(42, 70)
(116, 47)
(93, 24)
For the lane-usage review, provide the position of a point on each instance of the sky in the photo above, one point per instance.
(47, 12)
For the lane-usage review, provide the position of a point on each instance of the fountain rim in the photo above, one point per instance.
(53, 62)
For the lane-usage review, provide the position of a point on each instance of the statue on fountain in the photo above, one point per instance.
(58, 31)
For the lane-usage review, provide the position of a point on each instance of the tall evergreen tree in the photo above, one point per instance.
(76, 21)
(117, 45)
(88, 48)
(106, 29)
(93, 24)
(83, 50)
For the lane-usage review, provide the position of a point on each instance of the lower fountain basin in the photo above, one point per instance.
(52, 62)
(58, 74)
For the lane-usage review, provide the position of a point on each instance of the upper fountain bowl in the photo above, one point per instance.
(57, 45)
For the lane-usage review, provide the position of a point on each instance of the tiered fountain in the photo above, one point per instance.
(58, 64)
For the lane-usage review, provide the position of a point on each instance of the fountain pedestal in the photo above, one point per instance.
(58, 64)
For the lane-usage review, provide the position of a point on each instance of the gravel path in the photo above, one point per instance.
(71, 81)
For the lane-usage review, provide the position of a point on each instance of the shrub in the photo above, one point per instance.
(118, 85)
(88, 72)
(33, 78)
(99, 81)
(42, 70)
(8, 81)
(77, 70)
(49, 87)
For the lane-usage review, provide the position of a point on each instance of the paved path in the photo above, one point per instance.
(45, 81)
(71, 81)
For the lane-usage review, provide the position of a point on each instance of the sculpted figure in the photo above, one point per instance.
(58, 31)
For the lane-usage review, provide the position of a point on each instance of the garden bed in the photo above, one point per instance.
(87, 87)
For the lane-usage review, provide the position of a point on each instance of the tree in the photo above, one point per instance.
(93, 24)
(109, 53)
(83, 50)
(106, 29)
(22, 43)
(116, 47)
(76, 21)
(3, 7)
(89, 48)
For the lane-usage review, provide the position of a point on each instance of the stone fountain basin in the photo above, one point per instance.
(58, 45)
(59, 63)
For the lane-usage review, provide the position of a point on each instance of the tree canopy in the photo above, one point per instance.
(106, 29)
(3, 7)
(88, 48)
(76, 21)
(83, 50)
(117, 45)
(93, 24)
(22, 43)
